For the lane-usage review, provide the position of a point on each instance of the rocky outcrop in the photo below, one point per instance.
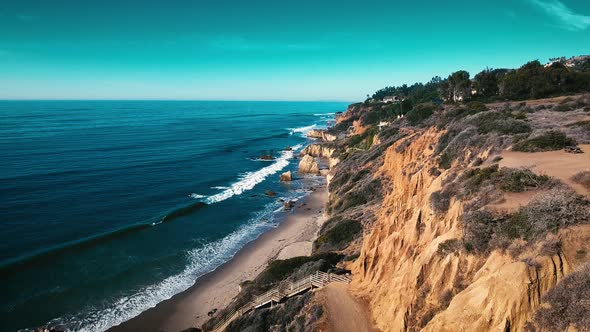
(321, 151)
(308, 165)
(321, 134)
(318, 150)
(266, 157)
(286, 177)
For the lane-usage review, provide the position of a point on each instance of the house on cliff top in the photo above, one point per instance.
(392, 99)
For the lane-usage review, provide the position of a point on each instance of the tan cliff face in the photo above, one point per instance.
(410, 285)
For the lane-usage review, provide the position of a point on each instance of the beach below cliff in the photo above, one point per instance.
(292, 237)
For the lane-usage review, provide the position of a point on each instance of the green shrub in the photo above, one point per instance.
(476, 107)
(445, 160)
(563, 108)
(501, 122)
(364, 140)
(519, 180)
(338, 236)
(420, 113)
(546, 213)
(478, 227)
(280, 269)
(506, 179)
(566, 100)
(550, 211)
(585, 124)
(548, 141)
(339, 180)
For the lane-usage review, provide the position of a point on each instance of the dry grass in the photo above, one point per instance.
(546, 213)
(582, 178)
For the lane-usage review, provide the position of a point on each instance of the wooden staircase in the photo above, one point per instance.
(284, 290)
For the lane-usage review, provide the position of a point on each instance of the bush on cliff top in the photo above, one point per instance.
(505, 179)
(504, 123)
(582, 178)
(548, 141)
(546, 213)
(420, 113)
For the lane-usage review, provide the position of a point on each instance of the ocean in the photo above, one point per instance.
(110, 207)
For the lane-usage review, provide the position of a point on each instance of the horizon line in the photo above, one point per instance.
(158, 99)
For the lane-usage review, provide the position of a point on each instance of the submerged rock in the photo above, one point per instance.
(266, 157)
(286, 177)
(270, 193)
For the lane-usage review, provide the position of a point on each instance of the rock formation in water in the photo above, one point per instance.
(286, 177)
(308, 165)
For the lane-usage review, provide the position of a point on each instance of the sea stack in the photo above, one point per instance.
(308, 165)
(286, 177)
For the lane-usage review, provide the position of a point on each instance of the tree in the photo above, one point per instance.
(459, 85)
(486, 83)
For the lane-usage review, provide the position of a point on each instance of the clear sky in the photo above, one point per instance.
(269, 49)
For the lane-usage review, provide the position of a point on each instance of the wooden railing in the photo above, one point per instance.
(285, 290)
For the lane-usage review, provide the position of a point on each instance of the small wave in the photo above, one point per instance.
(218, 188)
(325, 114)
(262, 159)
(302, 130)
(196, 196)
(199, 262)
(183, 211)
(251, 179)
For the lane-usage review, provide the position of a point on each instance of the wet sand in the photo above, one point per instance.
(293, 237)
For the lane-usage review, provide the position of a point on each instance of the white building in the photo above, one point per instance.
(391, 99)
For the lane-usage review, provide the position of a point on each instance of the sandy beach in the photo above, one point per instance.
(293, 237)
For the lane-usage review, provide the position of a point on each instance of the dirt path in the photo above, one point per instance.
(558, 164)
(345, 313)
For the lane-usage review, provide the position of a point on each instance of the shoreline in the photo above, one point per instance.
(293, 237)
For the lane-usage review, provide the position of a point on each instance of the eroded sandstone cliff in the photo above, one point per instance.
(411, 284)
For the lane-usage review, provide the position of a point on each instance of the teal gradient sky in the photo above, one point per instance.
(269, 50)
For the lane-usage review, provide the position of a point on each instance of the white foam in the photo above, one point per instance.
(251, 179)
(219, 187)
(302, 130)
(196, 196)
(325, 114)
(199, 261)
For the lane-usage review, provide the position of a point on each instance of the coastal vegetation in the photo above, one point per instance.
(428, 195)
(548, 141)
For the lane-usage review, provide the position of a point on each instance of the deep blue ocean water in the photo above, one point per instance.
(85, 185)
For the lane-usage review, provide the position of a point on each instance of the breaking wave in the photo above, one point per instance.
(200, 261)
(250, 179)
(302, 130)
